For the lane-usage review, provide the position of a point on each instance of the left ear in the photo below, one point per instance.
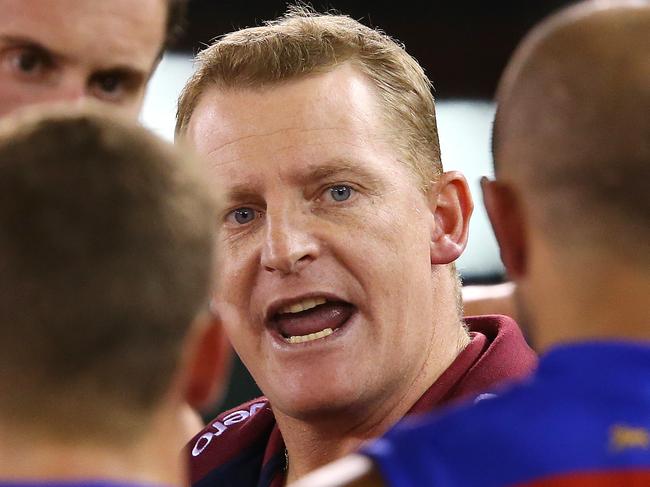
(208, 362)
(451, 204)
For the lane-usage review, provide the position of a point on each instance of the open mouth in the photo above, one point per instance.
(310, 319)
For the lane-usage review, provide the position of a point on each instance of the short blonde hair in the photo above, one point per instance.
(304, 42)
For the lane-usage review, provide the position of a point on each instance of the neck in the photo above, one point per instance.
(311, 444)
(599, 300)
(153, 459)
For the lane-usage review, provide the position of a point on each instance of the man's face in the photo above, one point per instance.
(324, 250)
(71, 50)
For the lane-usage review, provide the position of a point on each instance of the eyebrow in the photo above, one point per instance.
(133, 76)
(241, 193)
(337, 168)
(31, 43)
(333, 169)
(136, 74)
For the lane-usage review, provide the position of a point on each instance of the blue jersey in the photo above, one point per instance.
(582, 419)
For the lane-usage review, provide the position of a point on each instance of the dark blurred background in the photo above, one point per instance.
(463, 46)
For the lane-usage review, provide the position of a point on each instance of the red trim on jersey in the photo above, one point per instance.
(627, 478)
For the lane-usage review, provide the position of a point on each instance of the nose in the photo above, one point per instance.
(289, 244)
(73, 91)
(69, 89)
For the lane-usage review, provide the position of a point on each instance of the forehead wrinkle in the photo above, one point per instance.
(268, 134)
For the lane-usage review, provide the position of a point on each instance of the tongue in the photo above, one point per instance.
(328, 315)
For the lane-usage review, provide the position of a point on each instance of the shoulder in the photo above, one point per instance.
(536, 429)
(459, 446)
(230, 435)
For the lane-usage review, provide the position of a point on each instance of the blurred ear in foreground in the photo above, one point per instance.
(209, 356)
(504, 212)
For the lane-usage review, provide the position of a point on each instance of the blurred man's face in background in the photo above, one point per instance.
(75, 50)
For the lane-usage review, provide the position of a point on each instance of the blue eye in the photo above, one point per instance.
(243, 215)
(341, 192)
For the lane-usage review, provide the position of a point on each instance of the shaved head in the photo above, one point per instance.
(573, 126)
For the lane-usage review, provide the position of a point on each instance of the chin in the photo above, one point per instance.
(316, 401)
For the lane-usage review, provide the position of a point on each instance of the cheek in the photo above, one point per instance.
(236, 272)
(239, 332)
(396, 267)
(132, 108)
(15, 95)
(393, 241)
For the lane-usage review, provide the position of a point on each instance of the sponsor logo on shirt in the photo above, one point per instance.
(222, 426)
(624, 437)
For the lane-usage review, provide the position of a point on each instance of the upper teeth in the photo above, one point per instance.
(303, 305)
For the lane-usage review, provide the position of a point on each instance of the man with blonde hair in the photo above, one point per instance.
(572, 160)
(338, 241)
(106, 270)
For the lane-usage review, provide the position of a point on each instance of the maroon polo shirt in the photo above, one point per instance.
(243, 447)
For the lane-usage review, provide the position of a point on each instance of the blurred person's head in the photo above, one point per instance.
(72, 51)
(106, 268)
(570, 204)
(341, 228)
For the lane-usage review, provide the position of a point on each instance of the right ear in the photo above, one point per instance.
(505, 213)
